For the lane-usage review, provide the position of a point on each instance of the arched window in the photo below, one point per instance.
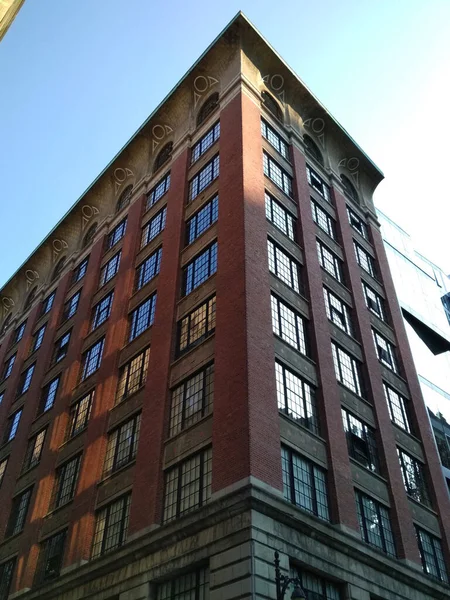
(208, 107)
(124, 199)
(59, 267)
(6, 324)
(313, 149)
(349, 188)
(30, 298)
(163, 156)
(89, 235)
(272, 105)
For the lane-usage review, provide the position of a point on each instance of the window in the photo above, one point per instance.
(204, 143)
(385, 351)
(153, 227)
(296, 398)
(59, 267)
(192, 400)
(61, 347)
(132, 376)
(65, 482)
(430, 549)
(374, 523)
(11, 426)
(164, 155)
(272, 105)
(79, 415)
(208, 108)
(188, 485)
(116, 234)
(397, 408)
(304, 484)
(200, 269)
(329, 261)
(9, 364)
(6, 575)
(337, 311)
(111, 526)
(102, 310)
(349, 188)
(203, 178)
(89, 235)
(70, 307)
(34, 451)
(3, 465)
(357, 223)
(275, 140)
(413, 473)
(48, 303)
(29, 301)
(51, 556)
(323, 220)
(6, 324)
(361, 441)
(312, 149)
(2, 394)
(193, 585)
(124, 199)
(364, 260)
(38, 338)
(91, 359)
(110, 269)
(318, 184)
(122, 445)
(283, 266)
(280, 217)
(288, 325)
(374, 302)
(25, 380)
(147, 270)
(278, 175)
(158, 191)
(80, 271)
(347, 369)
(197, 326)
(142, 317)
(18, 515)
(202, 220)
(18, 334)
(48, 396)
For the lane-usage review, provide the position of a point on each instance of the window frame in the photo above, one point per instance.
(282, 179)
(289, 228)
(182, 399)
(102, 311)
(205, 142)
(275, 139)
(19, 512)
(102, 532)
(387, 355)
(418, 489)
(158, 191)
(53, 547)
(87, 357)
(383, 522)
(290, 265)
(376, 304)
(343, 321)
(288, 323)
(38, 338)
(126, 368)
(80, 270)
(110, 269)
(12, 425)
(307, 416)
(209, 319)
(365, 260)
(439, 563)
(63, 481)
(143, 269)
(44, 399)
(114, 461)
(61, 347)
(362, 446)
(323, 220)
(136, 319)
(201, 180)
(211, 211)
(153, 227)
(318, 184)
(355, 370)
(199, 269)
(357, 223)
(47, 303)
(34, 450)
(8, 366)
(334, 262)
(403, 421)
(74, 427)
(25, 380)
(116, 234)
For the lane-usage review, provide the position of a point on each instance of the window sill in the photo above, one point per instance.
(112, 474)
(57, 509)
(366, 469)
(174, 436)
(296, 422)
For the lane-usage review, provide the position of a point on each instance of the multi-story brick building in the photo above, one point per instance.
(202, 367)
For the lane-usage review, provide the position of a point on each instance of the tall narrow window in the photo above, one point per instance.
(91, 359)
(318, 184)
(280, 217)
(164, 156)
(79, 415)
(208, 107)
(90, 235)
(124, 199)
(116, 234)
(312, 149)
(61, 347)
(304, 484)
(357, 223)
(323, 220)
(296, 398)
(109, 270)
(70, 307)
(204, 143)
(12, 425)
(102, 310)
(200, 269)
(364, 260)
(9, 364)
(329, 261)
(274, 139)
(374, 523)
(193, 585)
(413, 473)
(6, 576)
(272, 105)
(29, 301)
(397, 408)
(59, 268)
(3, 465)
(48, 395)
(18, 334)
(277, 174)
(80, 271)
(188, 485)
(288, 324)
(374, 302)
(158, 191)
(38, 338)
(361, 441)
(111, 526)
(385, 351)
(197, 326)
(430, 548)
(25, 380)
(142, 317)
(132, 375)
(347, 369)
(34, 451)
(51, 556)
(204, 178)
(283, 266)
(18, 515)
(337, 311)
(48, 303)
(202, 220)
(65, 482)
(122, 445)
(153, 227)
(192, 400)
(148, 269)
(349, 188)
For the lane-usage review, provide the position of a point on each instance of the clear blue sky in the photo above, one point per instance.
(79, 77)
